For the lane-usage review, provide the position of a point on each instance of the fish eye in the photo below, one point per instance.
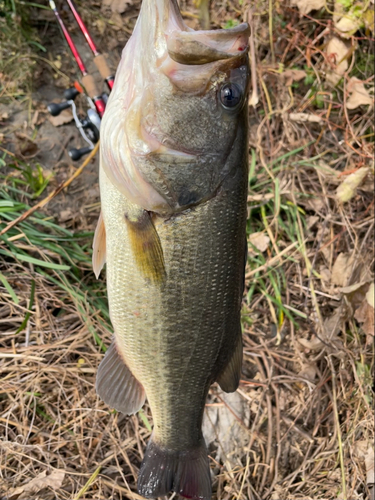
(230, 95)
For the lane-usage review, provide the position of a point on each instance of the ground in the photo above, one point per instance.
(301, 424)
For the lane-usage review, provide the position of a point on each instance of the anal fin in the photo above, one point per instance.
(99, 247)
(117, 386)
(145, 244)
(229, 378)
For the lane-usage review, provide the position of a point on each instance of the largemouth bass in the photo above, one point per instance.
(173, 185)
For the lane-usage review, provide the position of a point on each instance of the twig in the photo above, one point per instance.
(54, 193)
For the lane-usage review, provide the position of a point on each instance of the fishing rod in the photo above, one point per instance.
(99, 59)
(90, 125)
(87, 79)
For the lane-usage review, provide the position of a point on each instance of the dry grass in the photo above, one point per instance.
(308, 363)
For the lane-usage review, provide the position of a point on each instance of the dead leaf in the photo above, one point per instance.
(117, 6)
(65, 215)
(311, 220)
(325, 274)
(355, 294)
(306, 6)
(58, 62)
(313, 345)
(116, 21)
(349, 24)
(360, 448)
(368, 19)
(260, 241)
(292, 75)
(64, 117)
(332, 326)
(359, 95)
(39, 483)
(308, 371)
(101, 25)
(336, 51)
(348, 188)
(342, 269)
(347, 290)
(365, 314)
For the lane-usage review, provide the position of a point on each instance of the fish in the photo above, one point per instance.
(173, 181)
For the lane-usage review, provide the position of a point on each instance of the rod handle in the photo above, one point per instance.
(90, 86)
(102, 66)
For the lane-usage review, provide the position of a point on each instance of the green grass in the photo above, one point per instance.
(284, 222)
(61, 256)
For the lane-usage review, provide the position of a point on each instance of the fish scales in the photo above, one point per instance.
(195, 311)
(172, 230)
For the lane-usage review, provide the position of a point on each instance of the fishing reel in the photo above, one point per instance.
(88, 126)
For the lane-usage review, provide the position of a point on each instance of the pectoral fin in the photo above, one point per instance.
(117, 386)
(229, 378)
(145, 244)
(99, 247)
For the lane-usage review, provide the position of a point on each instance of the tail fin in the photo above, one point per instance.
(185, 472)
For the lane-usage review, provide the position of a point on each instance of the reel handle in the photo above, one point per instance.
(76, 154)
(55, 108)
(70, 94)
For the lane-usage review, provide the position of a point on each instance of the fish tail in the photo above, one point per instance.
(185, 472)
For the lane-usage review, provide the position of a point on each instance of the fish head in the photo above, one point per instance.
(176, 121)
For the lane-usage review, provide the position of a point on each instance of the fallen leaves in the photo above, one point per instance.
(350, 16)
(66, 116)
(293, 75)
(306, 6)
(348, 188)
(117, 6)
(260, 241)
(337, 51)
(342, 269)
(365, 314)
(39, 483)
(359, 95)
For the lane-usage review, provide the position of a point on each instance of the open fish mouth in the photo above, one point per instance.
(175, 100)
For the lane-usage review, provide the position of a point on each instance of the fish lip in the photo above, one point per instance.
(205, 46)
